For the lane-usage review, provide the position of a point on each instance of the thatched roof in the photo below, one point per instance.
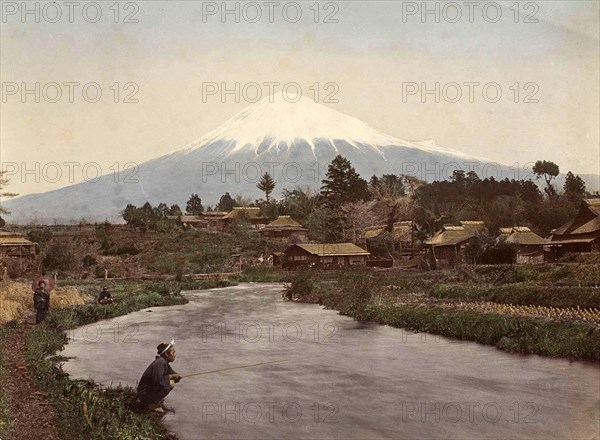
(587, 221)
(11, 238)
(334, 249)
(521, 235)
(402, 231)
(451, 235)
(192, 219)
(213, 214)
(251, 211)
(285, 222)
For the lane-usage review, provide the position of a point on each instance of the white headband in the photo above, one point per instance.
(171, 345)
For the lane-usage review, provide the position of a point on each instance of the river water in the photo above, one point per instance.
(342, 379)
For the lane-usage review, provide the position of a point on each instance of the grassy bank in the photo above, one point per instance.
(521, 294)
(5, 414)
(414, 302)
(83, 410)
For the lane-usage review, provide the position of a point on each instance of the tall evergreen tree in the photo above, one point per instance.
(574, 186)
(343, 184)
(174, 210)
(226, 203)
(194, 205)
(267, 185)
(161, 210)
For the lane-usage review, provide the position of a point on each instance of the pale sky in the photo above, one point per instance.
(371, 54)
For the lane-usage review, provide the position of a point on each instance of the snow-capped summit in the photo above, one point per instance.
(286, 119)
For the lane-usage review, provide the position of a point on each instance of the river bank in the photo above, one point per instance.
(550, 311)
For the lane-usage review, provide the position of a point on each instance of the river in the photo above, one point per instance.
(341, 379)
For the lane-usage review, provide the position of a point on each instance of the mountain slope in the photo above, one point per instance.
(293, 141)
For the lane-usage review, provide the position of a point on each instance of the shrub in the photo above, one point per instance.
(58, 257)
(301, 286)
(40, 236)
(88, 261)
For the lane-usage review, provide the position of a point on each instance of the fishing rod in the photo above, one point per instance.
(233, 368)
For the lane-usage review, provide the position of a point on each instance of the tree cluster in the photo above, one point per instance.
(347, 204)
(151, 217)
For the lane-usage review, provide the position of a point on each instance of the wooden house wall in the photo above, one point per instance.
(18, 250)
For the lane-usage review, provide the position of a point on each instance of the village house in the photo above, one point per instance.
(402, 233)
(529, 245)
(447, 246)
(250, 214)
(206, 220)
(285, 228)
(194, 221)
(581, 234)
(13, 244)
(325, 255)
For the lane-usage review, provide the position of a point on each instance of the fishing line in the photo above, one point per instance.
(233, 368)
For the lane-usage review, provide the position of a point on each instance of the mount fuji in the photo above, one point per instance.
(291, 137)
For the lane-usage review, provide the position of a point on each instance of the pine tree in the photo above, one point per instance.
(343, 184)
(548, 170)
(175, 210)
(226, 203)
(194, 205)
(161, 210)
(574, 186)
(266, 184)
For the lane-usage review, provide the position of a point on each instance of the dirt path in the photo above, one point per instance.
(34, 415)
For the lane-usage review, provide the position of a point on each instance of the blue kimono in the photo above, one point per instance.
(154, 385)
